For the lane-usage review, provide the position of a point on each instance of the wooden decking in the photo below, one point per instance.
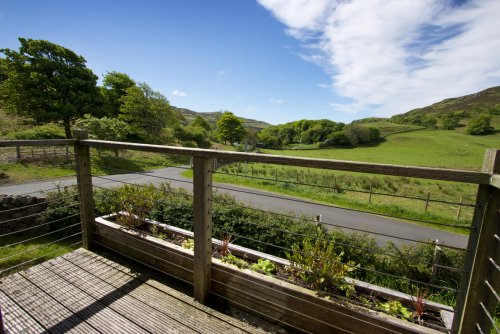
(83, 292)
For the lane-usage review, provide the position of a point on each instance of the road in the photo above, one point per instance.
(382, 227)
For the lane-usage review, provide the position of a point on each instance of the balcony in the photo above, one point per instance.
(131, 277)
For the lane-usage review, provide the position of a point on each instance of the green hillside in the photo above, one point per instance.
(212, 118)
(472, 104)
(434, 148)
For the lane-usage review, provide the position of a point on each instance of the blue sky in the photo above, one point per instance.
(278, 60)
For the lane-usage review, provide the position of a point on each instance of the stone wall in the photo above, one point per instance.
(20, 212)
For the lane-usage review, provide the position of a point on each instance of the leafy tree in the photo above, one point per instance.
(47, 82)
(480, 125)
(201, 121)
(357, 134)
(115, 85)
(230, 128)
(269, 139)
(192, 135)
(103, 128)
(146, 112)
(336, 139)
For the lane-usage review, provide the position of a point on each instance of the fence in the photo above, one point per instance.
(476, 295)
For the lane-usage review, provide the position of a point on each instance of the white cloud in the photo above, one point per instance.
(276, 101)
(179, 93)
(390, 56)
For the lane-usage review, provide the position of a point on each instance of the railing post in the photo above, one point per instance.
(85, 193)
(483, 246)
(202, 190)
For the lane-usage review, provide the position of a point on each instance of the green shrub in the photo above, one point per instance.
(480, 125)
(63, 209)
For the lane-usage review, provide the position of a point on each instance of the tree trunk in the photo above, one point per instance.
(67, 128)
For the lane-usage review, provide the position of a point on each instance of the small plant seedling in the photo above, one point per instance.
(188, 244)
(265, 266)
(234, 260)
(395, 307)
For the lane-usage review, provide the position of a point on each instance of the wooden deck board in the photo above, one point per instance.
(83, 292)
(173, 306)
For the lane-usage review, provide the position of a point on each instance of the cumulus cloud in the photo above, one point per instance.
(389, 56)
(276, 101)
(179, 93)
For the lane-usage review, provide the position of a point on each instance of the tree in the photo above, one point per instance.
(47, 82)
(103, 128)
(146, 112)
(201, 121)
(480, 125)
(230, 128)
(115, 85)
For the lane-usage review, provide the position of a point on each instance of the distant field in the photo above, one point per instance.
(433, 148)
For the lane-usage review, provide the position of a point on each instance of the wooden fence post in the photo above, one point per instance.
(475, 294)
(427, 201)
(459, 209)
(370, 197)
(85, 193)
(202, 190)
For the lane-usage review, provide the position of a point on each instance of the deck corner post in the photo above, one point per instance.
(84, 184)
(202, 191)
(475, 297)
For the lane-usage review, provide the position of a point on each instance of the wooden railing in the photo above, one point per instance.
(478, 294)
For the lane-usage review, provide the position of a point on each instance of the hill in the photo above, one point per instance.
(212, 118)
(469, 105)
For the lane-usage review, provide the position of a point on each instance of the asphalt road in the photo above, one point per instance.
(382, 227)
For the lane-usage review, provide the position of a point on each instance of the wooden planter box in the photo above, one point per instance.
(268, 297)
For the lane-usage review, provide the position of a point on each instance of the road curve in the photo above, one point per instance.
(383, 227)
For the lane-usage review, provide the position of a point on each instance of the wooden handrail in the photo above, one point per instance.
(352, 166)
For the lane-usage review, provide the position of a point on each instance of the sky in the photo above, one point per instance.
(278, 60)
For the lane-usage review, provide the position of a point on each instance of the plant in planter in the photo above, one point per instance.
(188, 244)
(419, 303)
(264, 266)
(395, 307)
(317, 264)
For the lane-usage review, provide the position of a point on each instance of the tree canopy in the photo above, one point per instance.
(114, 87)
(230, 128)
(147, 112)
(47, 82)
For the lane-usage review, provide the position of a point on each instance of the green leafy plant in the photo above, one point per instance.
(395, 307)
(188, 244)
(316, 262)
(265, 266)
(234, 260)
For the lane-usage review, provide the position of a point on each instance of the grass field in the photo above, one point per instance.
(433, 148)
(104, 164)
